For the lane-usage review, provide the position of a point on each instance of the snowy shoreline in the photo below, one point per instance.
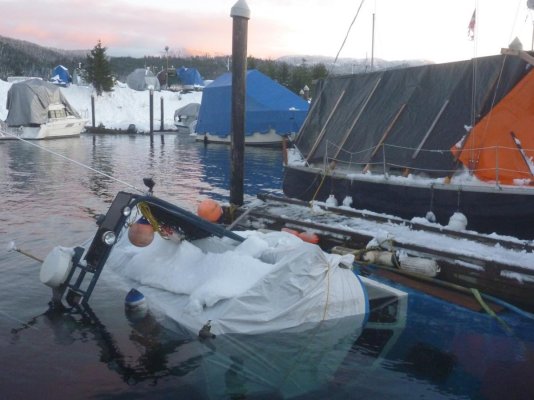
(121, 107)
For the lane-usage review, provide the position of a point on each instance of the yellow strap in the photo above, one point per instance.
(145, 211)
(487, 308)
(318, 187)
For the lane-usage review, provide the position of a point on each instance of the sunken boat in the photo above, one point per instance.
(430, 140)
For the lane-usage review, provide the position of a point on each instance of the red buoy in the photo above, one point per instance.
(141, 233)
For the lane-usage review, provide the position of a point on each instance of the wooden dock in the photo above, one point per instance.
(497, 266)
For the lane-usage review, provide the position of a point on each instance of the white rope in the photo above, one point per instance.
(74, 161)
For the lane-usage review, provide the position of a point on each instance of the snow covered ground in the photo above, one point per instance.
(120, 108)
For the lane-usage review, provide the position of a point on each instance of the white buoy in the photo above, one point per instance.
(331, 201)
(386, 258)
(418, 265)
(134, 299)
(430, 217)
(457, 222)
(56, 266)
(135, 306)
(347, 201)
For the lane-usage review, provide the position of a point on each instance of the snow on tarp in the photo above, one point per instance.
(189, 110)
(269, 282)
(268, 106)
(28, 101)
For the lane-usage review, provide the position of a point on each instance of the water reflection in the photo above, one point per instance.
(430, 349)
(154, 343)
(274, 365)
(436, 351)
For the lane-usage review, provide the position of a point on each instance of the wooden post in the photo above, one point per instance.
(151, 96)
(240, 14)
(93, 109)
(284, 150)
(162, 115)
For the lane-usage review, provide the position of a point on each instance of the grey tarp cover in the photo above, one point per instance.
(28, 101)
(142, 79)
(426, 107)
(189, 110)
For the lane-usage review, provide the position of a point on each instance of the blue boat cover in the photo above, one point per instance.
(190, 76)
(268, 105)
(60, 76)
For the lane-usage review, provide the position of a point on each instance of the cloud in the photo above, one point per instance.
(121, 27)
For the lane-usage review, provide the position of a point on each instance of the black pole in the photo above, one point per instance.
(151, 95)
(161, 106)
(240, 14)
(93, 109)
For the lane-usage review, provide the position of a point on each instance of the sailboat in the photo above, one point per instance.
(404, 142)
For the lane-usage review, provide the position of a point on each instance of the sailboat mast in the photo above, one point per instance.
(373, 42)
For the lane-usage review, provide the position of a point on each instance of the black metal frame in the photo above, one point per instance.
(190, 225)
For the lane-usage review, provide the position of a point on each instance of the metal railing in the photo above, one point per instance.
(368, 160)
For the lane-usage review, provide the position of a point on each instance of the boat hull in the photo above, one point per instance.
(257, 139)
(54, 129)
(488, 208)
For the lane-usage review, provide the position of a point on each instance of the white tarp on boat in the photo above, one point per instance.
(270, 282)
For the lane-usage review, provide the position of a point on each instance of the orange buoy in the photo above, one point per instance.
(141, 233)
(309, 237)
(210, 210)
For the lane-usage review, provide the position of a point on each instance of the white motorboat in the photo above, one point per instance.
(38, 110)
(203, 276)
(185, 118)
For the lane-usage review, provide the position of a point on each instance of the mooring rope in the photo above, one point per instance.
(75, 162)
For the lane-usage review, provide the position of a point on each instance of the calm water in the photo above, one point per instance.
(430, 351)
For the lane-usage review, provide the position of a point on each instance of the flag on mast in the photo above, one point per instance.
(471, 26)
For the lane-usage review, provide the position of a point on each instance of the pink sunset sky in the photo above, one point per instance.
(408, 29)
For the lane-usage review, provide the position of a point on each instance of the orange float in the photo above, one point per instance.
(141, 233)
(309, 237)
(209, 210)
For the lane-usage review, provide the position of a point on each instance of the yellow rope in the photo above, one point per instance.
(318, 188)
(145, 211)
(487, 308)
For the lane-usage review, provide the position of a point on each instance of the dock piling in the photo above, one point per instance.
(240, 14)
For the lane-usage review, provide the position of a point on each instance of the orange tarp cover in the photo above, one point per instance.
(490, 149)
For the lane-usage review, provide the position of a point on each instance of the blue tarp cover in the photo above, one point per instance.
(268, 106)
(60, 76)
(190, 76)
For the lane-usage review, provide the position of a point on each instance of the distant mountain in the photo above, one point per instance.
(350, 65)
(22, 58)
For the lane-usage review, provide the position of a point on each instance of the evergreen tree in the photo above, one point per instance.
(98, 70)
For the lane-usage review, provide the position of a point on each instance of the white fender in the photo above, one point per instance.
(56, 266)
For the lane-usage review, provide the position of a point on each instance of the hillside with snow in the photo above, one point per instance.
(121, 107)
